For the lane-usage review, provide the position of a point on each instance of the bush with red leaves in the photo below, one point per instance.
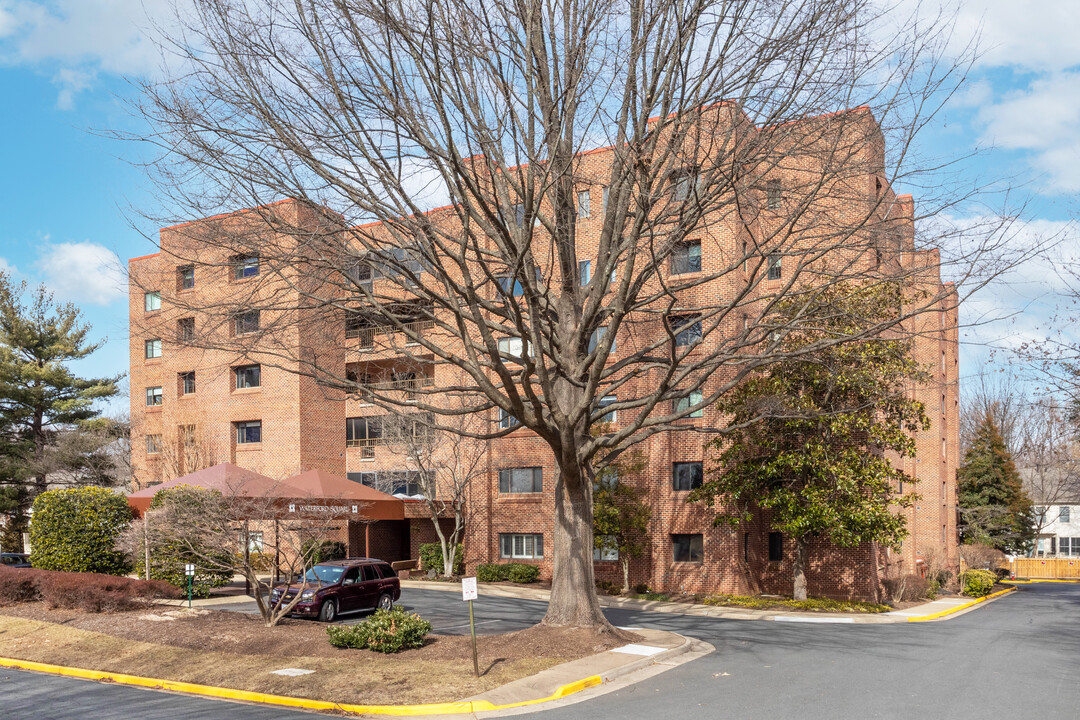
(89, 592)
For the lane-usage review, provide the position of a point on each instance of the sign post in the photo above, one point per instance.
(468, 593)
(189, 570)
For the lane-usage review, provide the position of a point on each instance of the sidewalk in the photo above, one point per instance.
(933, 610)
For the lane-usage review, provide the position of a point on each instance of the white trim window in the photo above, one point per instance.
(152, 301)
(522, 480)
(521, 546)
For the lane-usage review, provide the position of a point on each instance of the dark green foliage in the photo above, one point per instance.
(76, 530)
(979, 583)
(507, 572)
(90, 592)
(43, 405)
(810, 436)
(431, 558)
(641, 588)
(386, 631)
(620, 514)
(994, 509)
(318, 551)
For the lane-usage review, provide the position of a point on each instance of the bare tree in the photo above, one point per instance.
(1049, 458)
(744, 161)
(446, 461)
(1002, 396)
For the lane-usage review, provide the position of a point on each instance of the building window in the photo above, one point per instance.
(1063, 514)
(686, 257)
(512, 286)
(614, 414)
(519, 214)
(245, 266)
(185, 277)
(514, 481)
(688, 548)
(585, 271)
(686, 476)
(185, 329)
(187, 383)
(1040, 514)
(153, 348)
(774, 267)
(682, 186)
(685, 403)
(513, 347)
(152, 301)
(773, 194)
(248, 376)
(254, 542)
(687, 329)
(597, 337)
(153, 396)
(363, 432)
(1068, 546)
(607, 479)
(153, 444)
(608, 550)
(521, 545)
(776, 547)
(507, 421)
(249, 432)
(604, 199)
(583, 204)
(246, 322)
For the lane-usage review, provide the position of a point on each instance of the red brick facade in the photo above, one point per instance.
(303, 425)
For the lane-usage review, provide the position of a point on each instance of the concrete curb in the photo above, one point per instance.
(464, 707)
(960, 608)
(1038, 580)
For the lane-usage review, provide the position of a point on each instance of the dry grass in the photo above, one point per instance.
(358, 677)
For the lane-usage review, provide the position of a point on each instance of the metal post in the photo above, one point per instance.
(189, 592)
(472, 629)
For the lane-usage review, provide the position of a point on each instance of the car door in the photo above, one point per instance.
(349, 597)
(371, 584)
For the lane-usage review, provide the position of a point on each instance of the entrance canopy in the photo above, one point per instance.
(313, 491)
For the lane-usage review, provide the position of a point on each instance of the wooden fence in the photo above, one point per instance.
(1046, 567)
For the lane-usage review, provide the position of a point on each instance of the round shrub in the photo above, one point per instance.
(520, 573)
(489, 572)
(979, 583)
(76, 530)
(386, 631)
(431, 558)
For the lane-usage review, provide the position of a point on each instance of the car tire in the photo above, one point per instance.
(328, 611)
(386, 602)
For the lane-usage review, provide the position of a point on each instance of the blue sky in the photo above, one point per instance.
(67, 193)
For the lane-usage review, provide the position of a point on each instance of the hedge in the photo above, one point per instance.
(90, 592)
(76, 529)
(431, 558)
(512, 572)
(979, 583)
(386, 631)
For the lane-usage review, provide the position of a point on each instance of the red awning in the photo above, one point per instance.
(329, 488)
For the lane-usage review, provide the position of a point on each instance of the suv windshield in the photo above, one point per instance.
(327, 574)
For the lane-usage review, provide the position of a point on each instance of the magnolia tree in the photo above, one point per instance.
(743, 160)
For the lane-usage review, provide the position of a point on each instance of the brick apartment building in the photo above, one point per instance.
(251, 404)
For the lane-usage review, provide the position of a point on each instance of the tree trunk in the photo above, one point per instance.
(573, 588)
(799, 569)
(146, 542)
(626, 574)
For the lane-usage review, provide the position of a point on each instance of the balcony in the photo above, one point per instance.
(365, 326)
(408, 376)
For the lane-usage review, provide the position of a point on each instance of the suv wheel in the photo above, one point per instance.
(386, 602)
(328, 611)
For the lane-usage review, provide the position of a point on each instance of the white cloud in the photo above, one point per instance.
(7, 268)
(83, 272)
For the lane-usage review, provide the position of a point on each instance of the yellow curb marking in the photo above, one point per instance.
(958, 608)
(1039, 580)
(454, 708)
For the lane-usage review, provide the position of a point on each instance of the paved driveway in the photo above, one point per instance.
(1018, 656)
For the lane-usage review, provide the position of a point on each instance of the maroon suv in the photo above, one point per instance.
(336, 587)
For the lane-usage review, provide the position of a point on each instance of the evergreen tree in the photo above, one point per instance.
(620, 515)
(816, 462)
(40, 397)
(994, 508)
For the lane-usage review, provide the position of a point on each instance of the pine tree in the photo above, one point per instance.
(994, 508)
(816, 464)
(40, 396)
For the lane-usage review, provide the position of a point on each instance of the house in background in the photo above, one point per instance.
(1059, 529)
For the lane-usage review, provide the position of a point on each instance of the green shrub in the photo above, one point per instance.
(490, 572)
(932, 589)
(979, 583)
(520, 573)
(431, 558)
(641, 588)
(317, 550)
(76, 530)
(386, 631)
(167, 561)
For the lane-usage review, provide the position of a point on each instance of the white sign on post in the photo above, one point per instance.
(189, 569)
(468, 588)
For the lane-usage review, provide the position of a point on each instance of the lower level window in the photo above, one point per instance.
(254, 542)
(1069, 546)
(776, 547)
(608, 550)
(688, 548)
(249, 432)
(519, 545)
